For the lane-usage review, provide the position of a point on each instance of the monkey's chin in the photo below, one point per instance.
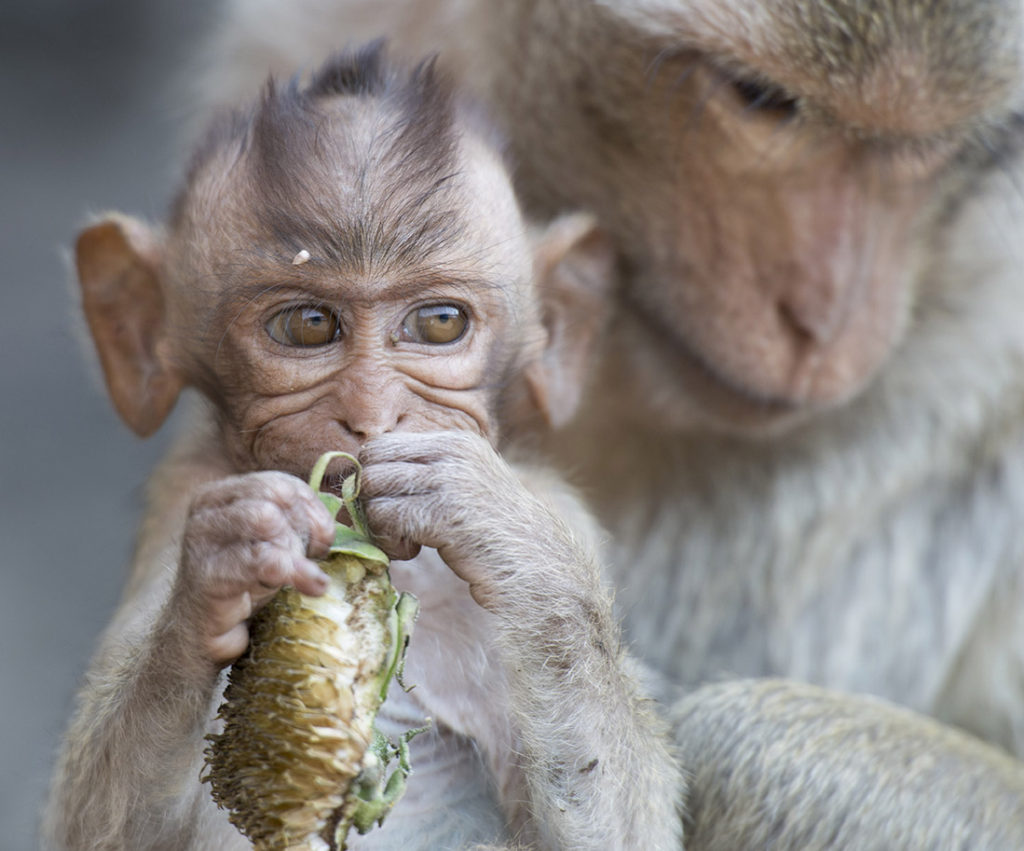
(725, 407)
(690, 395)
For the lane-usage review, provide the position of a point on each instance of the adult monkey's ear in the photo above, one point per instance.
(119, 270)
(573, 269)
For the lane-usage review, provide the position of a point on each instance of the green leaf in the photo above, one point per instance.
(333, 503)
(350, 487)
(406, 609)
(316, 476)
(350, 542)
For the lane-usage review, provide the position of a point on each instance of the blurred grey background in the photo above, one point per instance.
(91, 118)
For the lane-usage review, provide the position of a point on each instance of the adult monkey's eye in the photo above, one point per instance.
(304, 326)
(435, 323)
(762, 96)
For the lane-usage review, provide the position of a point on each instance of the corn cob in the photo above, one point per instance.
(299, 762)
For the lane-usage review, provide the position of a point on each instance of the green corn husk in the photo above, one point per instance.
(299, 761)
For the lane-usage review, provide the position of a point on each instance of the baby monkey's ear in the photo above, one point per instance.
(119, 269)
(573, 268)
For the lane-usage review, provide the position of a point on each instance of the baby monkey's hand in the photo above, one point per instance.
(453, 492)
(244, 538)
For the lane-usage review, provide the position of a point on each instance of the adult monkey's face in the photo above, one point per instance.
(771, 172)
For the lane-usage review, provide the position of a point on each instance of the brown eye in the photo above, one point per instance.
(436, 323)
(303, 326)
(765, 97)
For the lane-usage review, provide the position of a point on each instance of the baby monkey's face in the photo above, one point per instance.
(343, 262)
(305, 345)
(321, 360)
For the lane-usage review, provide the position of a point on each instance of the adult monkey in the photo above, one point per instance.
(814, 409)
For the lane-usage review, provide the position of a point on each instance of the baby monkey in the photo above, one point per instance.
(346, 268)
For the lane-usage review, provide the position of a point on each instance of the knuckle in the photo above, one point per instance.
(231, 566)
(266, 520)
(374, 452)
(273, 479)
(311, 524)
(379, 481)
(274, 569)
(269, 485)
(321, 524)
(396, 515)
(381, 517)
(371, 483)
(306, 503)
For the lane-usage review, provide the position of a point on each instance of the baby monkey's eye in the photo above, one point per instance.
(304, 326)
(435, 323)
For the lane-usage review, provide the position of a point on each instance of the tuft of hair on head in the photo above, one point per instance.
(300, 134)
(360, 72)
(418, 107)
(388, 130)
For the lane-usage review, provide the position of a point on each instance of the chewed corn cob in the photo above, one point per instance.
(299, 761)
